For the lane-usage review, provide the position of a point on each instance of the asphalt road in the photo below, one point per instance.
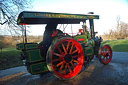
(115, 73)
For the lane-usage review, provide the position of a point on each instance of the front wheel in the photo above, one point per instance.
(105, 54)
(65, 58)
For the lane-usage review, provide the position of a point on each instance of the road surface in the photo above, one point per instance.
(115, 73)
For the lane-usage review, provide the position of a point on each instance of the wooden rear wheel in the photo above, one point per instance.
(65, 58)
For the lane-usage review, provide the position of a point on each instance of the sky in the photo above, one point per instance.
(108, 10)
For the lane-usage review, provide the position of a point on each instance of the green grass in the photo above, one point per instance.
(10, 57)
(117, 45)
(11, 50)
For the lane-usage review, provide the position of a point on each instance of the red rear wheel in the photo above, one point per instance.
(65, 58)
(105, 54)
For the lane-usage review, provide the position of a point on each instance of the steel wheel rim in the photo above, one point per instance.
(106, 54)
(67, 58)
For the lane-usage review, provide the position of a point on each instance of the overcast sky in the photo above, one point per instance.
(107, 9)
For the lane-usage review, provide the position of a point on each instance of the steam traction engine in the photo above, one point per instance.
(61, 53)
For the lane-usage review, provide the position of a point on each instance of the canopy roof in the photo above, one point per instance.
(28, 17)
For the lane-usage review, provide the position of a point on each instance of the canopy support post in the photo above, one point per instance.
(92, 28)
(25, 35)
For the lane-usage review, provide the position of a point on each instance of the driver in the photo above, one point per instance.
(85, 31)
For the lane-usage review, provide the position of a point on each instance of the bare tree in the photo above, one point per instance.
(118, 24)
(9, 10)
(121, 31)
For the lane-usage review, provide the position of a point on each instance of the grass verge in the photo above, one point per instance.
(117, 45)
(10, 57)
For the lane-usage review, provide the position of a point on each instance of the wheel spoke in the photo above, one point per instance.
(107, 58)
(64, 48)
(102, 52)
(56, 60)
(71, 49)
(59, 64)
(72, 65)
(74, 51)
(103, 57)
(106, 49)
(58, 54)
(75, 61)
(65, 69)
(67, 46)
(61, 68)
(69, 68)
(59, 50)
(75, 56)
